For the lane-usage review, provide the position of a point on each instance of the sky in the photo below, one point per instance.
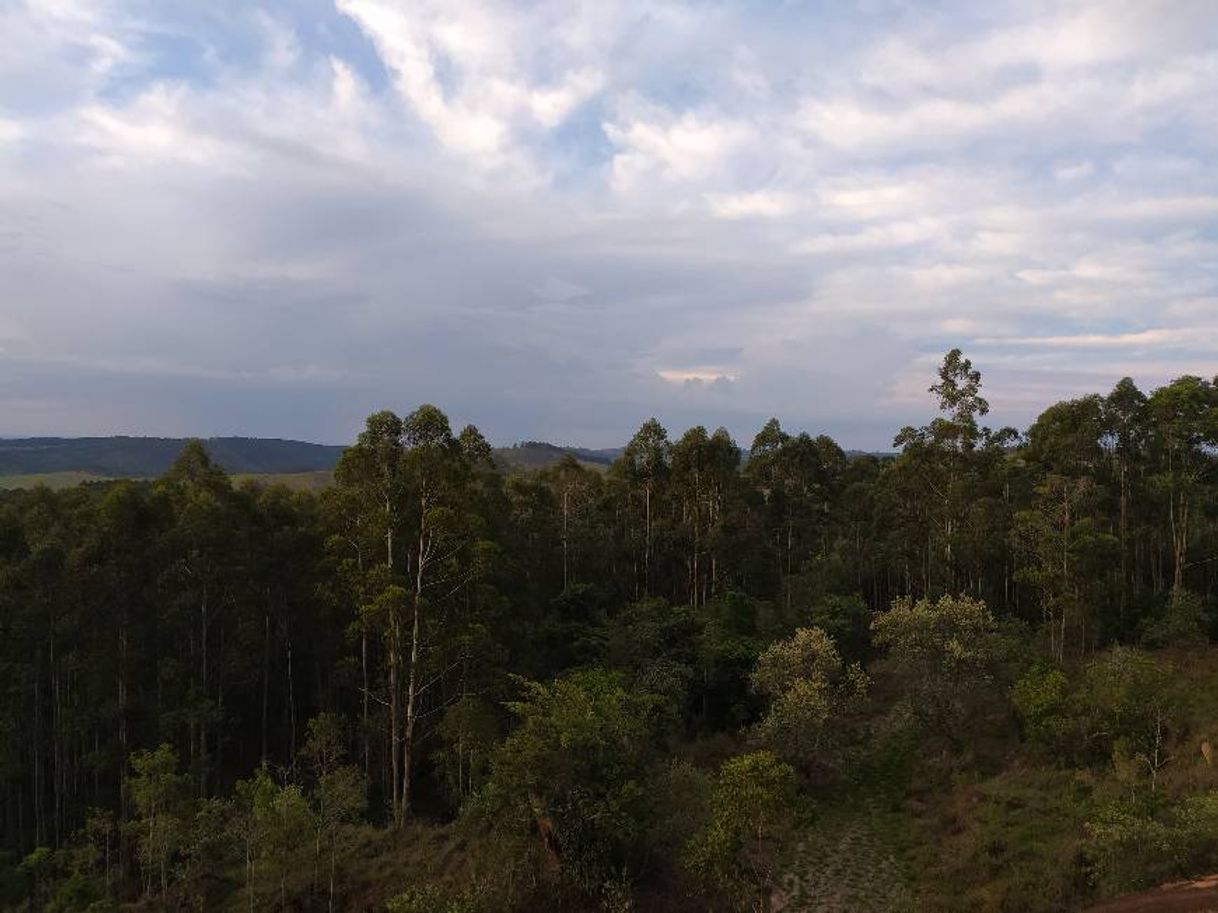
(555, 218)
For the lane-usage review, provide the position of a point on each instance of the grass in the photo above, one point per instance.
(854, 853)
(53, 480)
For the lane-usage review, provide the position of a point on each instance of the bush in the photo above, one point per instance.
(1183, 620)
(433, 899)
(1042, 701)
(1131, 846)
(752, 810)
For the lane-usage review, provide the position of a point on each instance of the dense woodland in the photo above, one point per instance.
(972, 676)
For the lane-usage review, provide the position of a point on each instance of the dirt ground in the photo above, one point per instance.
(1200, 896)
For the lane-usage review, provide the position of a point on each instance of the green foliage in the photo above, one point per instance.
(947, 655)
(433, 899)
(812, 696)
(571, 773)
(1132, 845)
(470, 729)
(1128, 700)
(1042, 699)
(1184, 620)
(845, 619)
(531, 655)
(157, 792)
(1010, 842)
(752, 810)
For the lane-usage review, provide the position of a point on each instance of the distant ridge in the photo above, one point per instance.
(149, 457)
(144, 457)
(539, 454)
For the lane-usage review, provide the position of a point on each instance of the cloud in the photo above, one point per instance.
(559, 290)
(757, 204)
(1141, 339)
(651, 141)
(556, 219)
(694, 375)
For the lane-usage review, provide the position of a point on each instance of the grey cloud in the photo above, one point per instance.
(251, 253)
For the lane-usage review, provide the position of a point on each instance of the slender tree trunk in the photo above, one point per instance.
(566, 494)
(330, 901)
(266, 673)
(363, 662)
(395, 635)
(647, 543)
(394, 712)
(1124, 533)
(203, 625)
(39, 822)
(412, 709)
(291, 698)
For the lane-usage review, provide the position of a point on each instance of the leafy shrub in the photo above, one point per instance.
(1183, 620)
(433, 899)
(1042, 700)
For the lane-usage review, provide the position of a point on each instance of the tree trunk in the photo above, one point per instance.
(412, 709)
(266, 673)
(647, 543)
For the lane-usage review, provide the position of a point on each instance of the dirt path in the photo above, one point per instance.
(1200, 896)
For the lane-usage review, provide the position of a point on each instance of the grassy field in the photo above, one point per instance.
(54, 480)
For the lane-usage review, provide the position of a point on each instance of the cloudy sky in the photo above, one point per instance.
(555, 218)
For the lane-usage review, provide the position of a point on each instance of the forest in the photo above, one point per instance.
(972, 675)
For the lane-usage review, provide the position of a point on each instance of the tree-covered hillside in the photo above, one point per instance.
(148, 457)
(25, 462)
(971, 676)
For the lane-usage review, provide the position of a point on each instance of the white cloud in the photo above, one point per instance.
(878, 237)
(694, 375)
(687, 147)
(1074, 172)
(1140, 339)
(462, 67)
(754, 204)
(759, 206)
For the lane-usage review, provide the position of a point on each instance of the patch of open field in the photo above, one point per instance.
(53, 480)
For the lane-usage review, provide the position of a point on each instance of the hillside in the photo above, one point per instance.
(61, 462)
(528, 455)
(123, 457)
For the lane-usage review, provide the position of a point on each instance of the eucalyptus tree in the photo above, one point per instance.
(1185, 417)
(704, 468)
(573, 485)
(645, 466)
(1059, 534)
(952, 458)
(371, 478)
(444, 532)
(1127, 433)
(200, 576)
(799, 477)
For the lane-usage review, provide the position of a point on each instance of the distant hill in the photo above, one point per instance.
(66, 461)
(57, 461)
(528, 455)
(145, 457)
